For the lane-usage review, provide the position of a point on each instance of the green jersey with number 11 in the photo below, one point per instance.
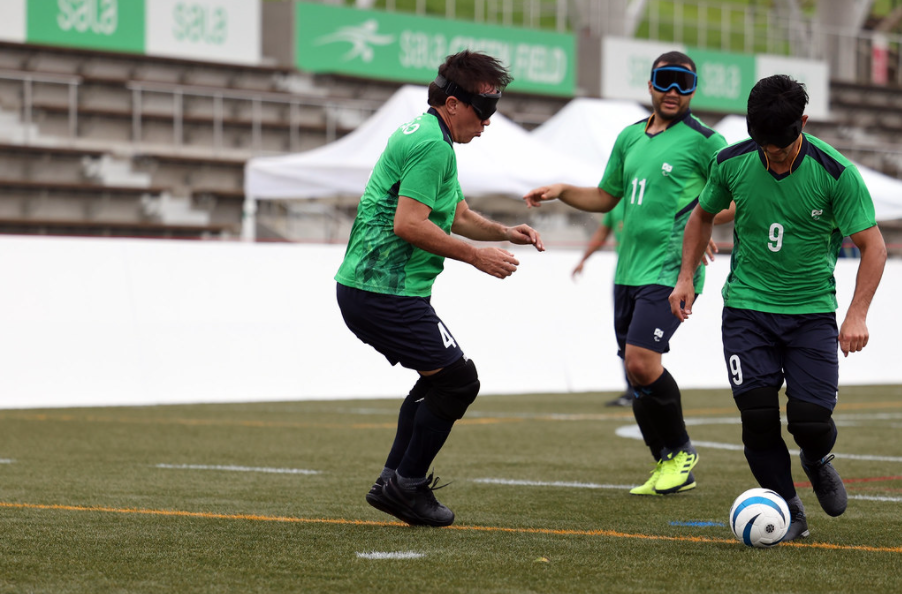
(788, 228)
(658, 177)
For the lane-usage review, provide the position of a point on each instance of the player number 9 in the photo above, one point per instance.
(736, 369)
(775, 238)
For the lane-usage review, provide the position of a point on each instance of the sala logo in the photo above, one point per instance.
(197, 23)
(98, 16)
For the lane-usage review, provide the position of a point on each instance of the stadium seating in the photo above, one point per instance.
(180, 131)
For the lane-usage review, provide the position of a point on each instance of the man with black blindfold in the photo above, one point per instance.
(795, 198)
(658, 168)
(398, 244)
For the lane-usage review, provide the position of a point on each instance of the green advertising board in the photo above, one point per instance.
(409, 48)
(112, 25)
(724, 80)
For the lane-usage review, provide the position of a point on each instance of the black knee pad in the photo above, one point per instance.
(760, 411)
(812, 427)
(453, 390)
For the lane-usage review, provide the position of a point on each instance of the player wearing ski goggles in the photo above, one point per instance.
(484, 104)
(674, 77)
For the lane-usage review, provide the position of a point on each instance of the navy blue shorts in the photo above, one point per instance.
(404, 329)
(642, 317)
(762, 349)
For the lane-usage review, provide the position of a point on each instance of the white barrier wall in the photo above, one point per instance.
(88, 322)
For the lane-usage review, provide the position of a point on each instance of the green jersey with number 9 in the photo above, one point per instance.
(658, 178)
(788, 228)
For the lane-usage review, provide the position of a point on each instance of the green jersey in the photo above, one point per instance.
(658, 178)
(419, 163)
(613, 220)
(788, 228)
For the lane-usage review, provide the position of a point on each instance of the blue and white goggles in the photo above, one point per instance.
(674, 77)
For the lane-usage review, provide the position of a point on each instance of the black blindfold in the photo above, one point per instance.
(484, 104)
(779, 136)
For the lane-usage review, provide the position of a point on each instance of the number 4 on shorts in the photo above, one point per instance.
(447, 339)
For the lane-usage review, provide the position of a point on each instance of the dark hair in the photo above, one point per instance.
(470, 71)
(776, 101)
(674, 58)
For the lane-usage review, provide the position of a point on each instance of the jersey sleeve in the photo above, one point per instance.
(612, 181)
(853, 207)
(713, 143)
(716, 196)
(423, 170)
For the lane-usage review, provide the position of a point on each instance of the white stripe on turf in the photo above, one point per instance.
(238, 468)
(633, 432)
(874, 498)
(398, 555)
(496, 481)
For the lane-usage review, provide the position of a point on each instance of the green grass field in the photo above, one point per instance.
(270, 498)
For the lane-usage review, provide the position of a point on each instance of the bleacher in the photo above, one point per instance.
(111, 143)
(107, 143)
(176, 132)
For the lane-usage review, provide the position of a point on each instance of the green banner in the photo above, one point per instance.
(113, 25)
(724, 80)
(410, 48)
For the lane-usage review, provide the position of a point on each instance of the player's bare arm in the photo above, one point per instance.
(696, 239)
(853, 334)
(412, 224)
(472, 225)
(726, 215)
(587, 199)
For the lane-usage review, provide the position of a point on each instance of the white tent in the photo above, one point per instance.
(587, 128)
(886, 191)
(505, 161)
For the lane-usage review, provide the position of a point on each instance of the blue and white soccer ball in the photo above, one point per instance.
(759, 518)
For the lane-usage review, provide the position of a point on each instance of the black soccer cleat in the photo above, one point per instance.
(827, 484)
(376, 498)
(798, 524)
(417, 506)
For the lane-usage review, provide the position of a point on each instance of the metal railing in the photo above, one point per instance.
(854, 55)
(333, 111)
(28, 80)
(535, 14)
(336, 113)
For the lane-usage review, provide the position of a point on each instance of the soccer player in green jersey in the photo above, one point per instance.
(399, 241)
(658, 168)
(795, 199)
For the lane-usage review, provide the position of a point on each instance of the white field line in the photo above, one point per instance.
(398, 555)
(874, 498)
(633, 432)
(517, 483)
(6, 461)
(238, 468)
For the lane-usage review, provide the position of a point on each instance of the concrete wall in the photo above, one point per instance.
(132, 322)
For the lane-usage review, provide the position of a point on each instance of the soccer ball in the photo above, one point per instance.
(759, 518)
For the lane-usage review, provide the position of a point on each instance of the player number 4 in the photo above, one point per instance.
(447, 339)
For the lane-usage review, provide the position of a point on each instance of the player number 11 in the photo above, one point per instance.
(640, 184)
